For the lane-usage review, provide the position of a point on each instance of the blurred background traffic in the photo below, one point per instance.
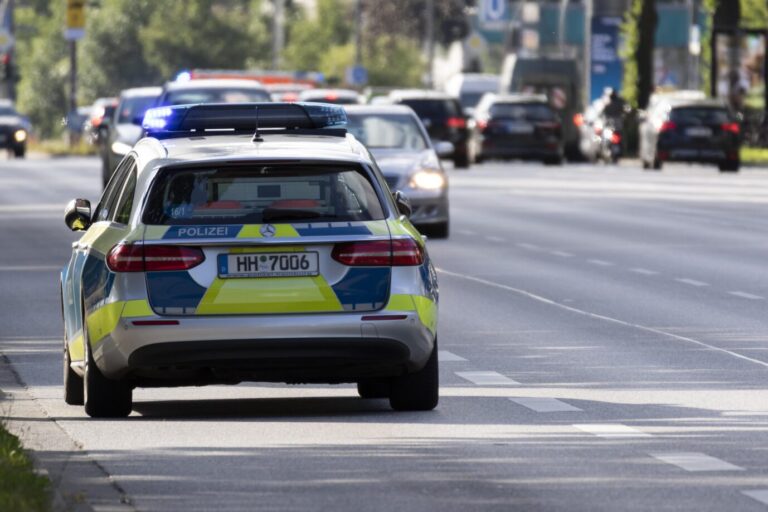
(553, 81)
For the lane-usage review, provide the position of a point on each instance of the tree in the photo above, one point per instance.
(639, 32)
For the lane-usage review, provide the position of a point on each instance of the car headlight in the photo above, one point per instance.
(428, 180)
(121, 148)
(20, 136)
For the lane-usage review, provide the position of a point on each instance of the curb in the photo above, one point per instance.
(78, 482)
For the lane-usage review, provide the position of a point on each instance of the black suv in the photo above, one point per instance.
(443, 118)
(703, 131)
(14, 130)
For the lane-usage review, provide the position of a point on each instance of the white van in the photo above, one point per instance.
(470, 87)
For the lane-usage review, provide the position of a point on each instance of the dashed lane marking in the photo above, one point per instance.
(745, 295)
(487, 378)
(691, 282)
(601, 263)
(494, 239)
(562, 254)
(544, 404)
(464, 232)
(530, 247)
(760, 495)
(448, 357)
(644, 271)
(604, 318)
(695, 461)
(611, 430)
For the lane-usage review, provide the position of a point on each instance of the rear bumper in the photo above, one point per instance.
(705, 155)
(274, 348)
(503, 147)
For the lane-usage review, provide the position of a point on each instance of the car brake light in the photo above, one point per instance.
(152, 258)
(578, 120)
(456, 122)
(400, 252)
(731, 127)
(615, 138)
(668, 126)
(481, 124)
(331, 96)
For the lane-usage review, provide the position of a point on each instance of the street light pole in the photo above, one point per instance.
(430, 35)
(278, 34)
(358, 32)
(589, 9)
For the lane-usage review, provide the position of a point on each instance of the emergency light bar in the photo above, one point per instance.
(184, 120)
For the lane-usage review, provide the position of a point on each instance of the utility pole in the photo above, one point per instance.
(430, 42)
(589, 10)
(278, 34)
(561, 27)
(358, 32)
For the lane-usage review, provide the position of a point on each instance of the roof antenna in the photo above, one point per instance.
(256, 136)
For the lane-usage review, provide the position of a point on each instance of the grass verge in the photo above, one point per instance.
(754, 156)
(20, 488)
(57, 147)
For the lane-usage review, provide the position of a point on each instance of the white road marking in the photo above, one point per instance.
(487, 378)
(644, 271)
(562, 254)
(464, 232)
(448, 357)
(745, 295)
(760, 495)
(695, 461)
(605, 318)
(602, 263)
(29, 268)
(691, 282)
(611, 430)
(528, 246)
(544, 404)
(494, 239)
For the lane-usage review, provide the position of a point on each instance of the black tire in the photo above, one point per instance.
(479, 159)
(557, 160)
(73, 383)
(20, 152)
(646, 165)
(373, 388)
(657, 164)
(729, 166)
(441, 230)
(103, 397)
(418, 391)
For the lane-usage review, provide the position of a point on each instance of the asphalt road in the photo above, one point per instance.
(604, 347)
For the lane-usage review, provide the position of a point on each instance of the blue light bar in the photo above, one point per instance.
(181, 120)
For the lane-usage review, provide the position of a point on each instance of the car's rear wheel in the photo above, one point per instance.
(418, 391)
(19, 152)
(103, 397)
(73, 383)
(373, 388)
(657, 164)
(729, 166)
(554, 160)
(461, 162)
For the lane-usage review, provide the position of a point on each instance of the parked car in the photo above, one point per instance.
(442, 116)
(123, 129)
(407, 159)
(470, 88)
(14, 130)
(520, 126)
(681, 130)
(335, 96)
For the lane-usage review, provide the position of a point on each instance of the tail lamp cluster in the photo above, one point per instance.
(385, 253)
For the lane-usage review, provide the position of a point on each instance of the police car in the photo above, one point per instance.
(248, 242)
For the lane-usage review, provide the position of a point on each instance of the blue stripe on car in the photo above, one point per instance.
(363, 286)
(173, 290)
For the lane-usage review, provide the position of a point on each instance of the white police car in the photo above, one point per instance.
(250, 242)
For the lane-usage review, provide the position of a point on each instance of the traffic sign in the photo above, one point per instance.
(356, 75)
(75, 20)
(493, 14)
(6, 40)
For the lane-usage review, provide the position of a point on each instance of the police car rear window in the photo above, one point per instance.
(262, 194)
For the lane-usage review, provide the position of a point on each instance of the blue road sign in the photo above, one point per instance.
(493, 14)
(357, 75)
(606, 68)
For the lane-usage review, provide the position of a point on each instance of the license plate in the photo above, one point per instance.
(269, 264)
(520, 128)
(699, 132)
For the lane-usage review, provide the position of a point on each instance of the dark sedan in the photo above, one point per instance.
(14, 130)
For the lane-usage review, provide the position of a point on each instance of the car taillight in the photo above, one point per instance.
(668, 126)
(456, 122)
(731, 127)
(400, 252)
(615, 138)
(152, 258)
(578, 120)
(481, 124)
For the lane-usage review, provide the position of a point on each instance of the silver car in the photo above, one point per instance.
(410, 163)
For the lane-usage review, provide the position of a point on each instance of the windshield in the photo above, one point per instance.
(262, 194)
(524, 111)
(378, 131)
(215, 95)
(131, 108)
(7, 111)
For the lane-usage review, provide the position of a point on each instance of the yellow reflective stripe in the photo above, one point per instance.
(281, 231)
(77, 348)
(427, 310)
(103, 321)
(400, 303)
(269, 295)
(155, 232)
(135, 308)
(377, 227)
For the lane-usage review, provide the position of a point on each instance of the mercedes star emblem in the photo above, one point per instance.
(267, 230)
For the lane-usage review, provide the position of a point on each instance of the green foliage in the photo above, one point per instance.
(311, 39)
(20, 488)
(639, 30)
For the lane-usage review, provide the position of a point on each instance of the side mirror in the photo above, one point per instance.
(77, 214)
(403, 204)
(444, 149)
